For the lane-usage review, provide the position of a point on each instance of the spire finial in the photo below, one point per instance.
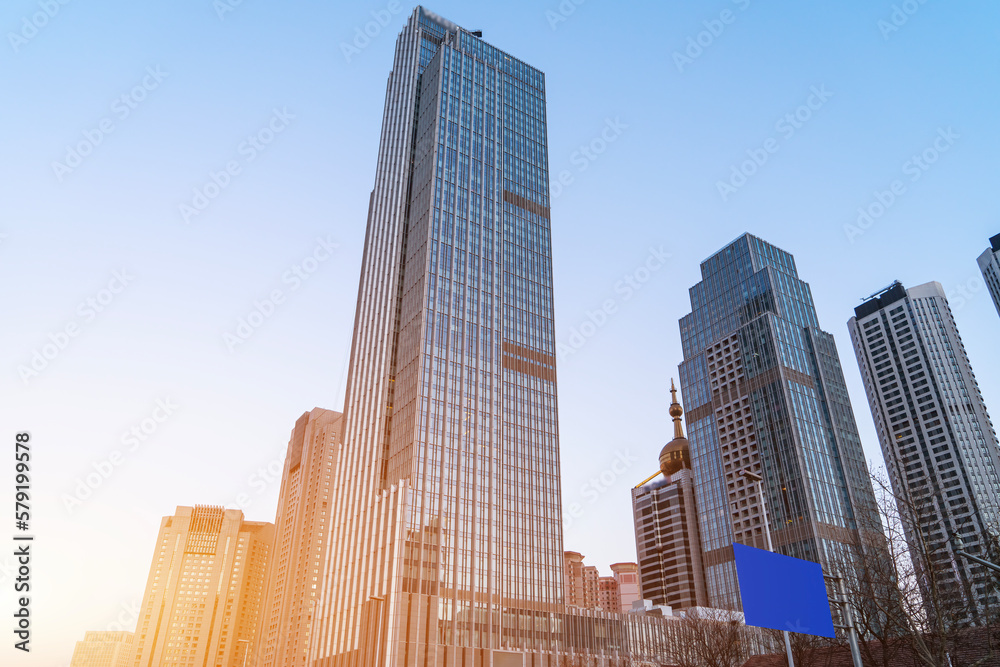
(676, 454)
(676, 411)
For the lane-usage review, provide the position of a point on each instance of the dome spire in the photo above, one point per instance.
(676, 411)
(676, 454)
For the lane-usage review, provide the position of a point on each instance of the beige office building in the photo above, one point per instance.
(203, 598)
(301, 525)
(104, 649)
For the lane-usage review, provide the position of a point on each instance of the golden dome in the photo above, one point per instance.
(676, 455)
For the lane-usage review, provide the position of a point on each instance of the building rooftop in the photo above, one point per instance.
(879, 300)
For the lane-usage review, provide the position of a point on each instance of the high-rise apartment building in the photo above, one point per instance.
(104, 649)
(667, 539)
(446, 543)
(204, 596)
(301, 526)
(765, 392)
(989, 264)
(937, 439)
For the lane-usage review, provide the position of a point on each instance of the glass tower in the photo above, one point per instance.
(446, 540)
(765, 392)
(937, 439)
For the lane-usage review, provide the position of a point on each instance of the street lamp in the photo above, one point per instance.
(246, 652)
(959, 548)
(380, 605)
(751, 476)
(852, 632)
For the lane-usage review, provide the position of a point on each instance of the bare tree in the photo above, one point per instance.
(879, 581)
(705, 641)
(807, 650)
(909, 603)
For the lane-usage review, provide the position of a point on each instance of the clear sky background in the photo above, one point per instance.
(679, 128)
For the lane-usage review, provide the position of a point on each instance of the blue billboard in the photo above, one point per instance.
(782, 592)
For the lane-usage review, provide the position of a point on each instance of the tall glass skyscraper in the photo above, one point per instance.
(939, 445)
(765, 392)
(446, 543)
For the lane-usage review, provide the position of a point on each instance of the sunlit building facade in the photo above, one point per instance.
(765, 391)
(104, 649)
(938, 442)
(626, 576)
(204, 595)
(301, 526)
(446, 547)
(608, 598)
(615, 594)
(579, 581)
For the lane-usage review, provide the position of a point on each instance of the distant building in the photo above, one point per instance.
(626, 575)
(104, 649)
(580, 581)
(300, 545)
(667, 538)
(608, 597)
(204, 595)
(937, 439)
(591, 579)
(586, 589)
(989, 264)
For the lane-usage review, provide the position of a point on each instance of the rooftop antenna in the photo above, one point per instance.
(881, 291)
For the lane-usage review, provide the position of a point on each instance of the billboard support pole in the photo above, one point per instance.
(852, 632)
(757, 479)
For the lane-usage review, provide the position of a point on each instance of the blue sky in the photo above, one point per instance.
(663, 131)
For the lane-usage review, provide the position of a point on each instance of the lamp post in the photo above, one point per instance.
(380, 605)
(246, 652)
(959, 548)
(751, 476)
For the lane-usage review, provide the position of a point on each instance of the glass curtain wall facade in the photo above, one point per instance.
(765, 391)
(446, 544)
